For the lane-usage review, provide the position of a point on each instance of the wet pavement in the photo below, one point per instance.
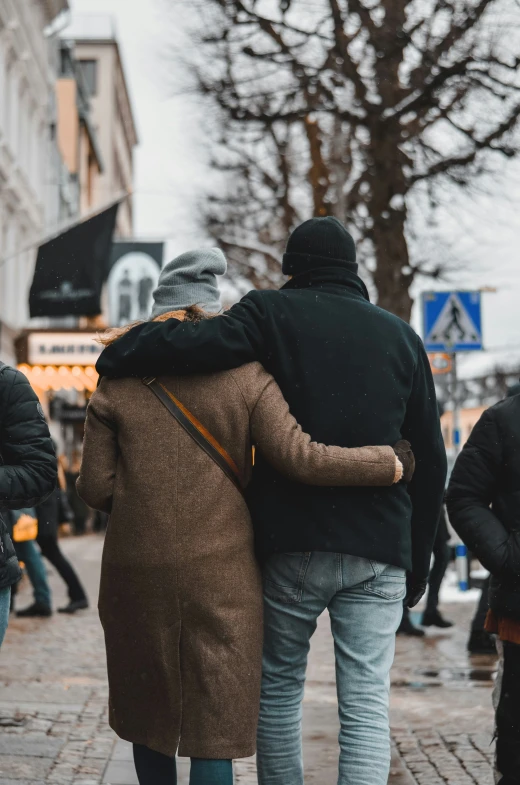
(442, 721)
(53, 717)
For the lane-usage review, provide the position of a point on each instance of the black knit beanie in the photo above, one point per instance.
(319, 242)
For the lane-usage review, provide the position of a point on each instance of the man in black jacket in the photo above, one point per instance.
(27, 468)
(353, 374)
(484, 508)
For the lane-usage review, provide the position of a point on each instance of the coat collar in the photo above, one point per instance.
(330, 278)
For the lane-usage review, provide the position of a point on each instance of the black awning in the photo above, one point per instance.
(71, 269)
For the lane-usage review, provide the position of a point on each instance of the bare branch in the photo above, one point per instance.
(340, 49)
(447, 165)
(424, 98)
(433, 55)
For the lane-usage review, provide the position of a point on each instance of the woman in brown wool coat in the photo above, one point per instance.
(181, 596)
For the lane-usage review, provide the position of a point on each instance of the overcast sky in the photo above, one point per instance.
(171, 173)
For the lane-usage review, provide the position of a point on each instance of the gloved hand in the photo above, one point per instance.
(403, 450)
(415, 590)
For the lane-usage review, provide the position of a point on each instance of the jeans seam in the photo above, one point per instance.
(374, 566)
(298, 589)
(301, 576)
(339, 572)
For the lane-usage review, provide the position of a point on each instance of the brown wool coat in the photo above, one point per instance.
(181, 599)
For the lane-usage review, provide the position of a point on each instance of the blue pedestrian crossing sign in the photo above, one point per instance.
(452, 321)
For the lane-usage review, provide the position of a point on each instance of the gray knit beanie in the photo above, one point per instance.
(190, 279)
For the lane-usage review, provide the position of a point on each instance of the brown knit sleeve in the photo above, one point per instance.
(283, 443)
(95, 483)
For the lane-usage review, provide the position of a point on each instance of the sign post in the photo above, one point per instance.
(452, 323)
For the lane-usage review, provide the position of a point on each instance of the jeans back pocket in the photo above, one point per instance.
(284, 576)
(389, 582)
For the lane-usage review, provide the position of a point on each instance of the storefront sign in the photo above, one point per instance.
(134, 272)
(62, 348)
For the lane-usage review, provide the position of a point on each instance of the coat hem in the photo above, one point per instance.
(225, 750)
(145, 741)
(191, 749)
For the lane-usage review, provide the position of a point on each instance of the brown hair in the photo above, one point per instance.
(191, 314)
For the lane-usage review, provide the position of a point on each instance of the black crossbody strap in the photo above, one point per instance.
(197, 431)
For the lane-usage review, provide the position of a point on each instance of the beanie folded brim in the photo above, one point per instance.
(295, 263)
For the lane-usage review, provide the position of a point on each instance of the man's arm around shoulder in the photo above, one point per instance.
(226, 341)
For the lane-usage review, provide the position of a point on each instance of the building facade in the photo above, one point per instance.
(30, 170)
(97, 51)
(77, 140)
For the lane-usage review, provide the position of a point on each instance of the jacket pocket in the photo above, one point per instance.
(6, 545)
(284, 576)
(389, 582)
(3, 549)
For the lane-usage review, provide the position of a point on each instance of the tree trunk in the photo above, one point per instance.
(391, 252)
(391, 283)
(387, 209)
(339, 169)
(319, 176)
(387, 206)
(389, 242)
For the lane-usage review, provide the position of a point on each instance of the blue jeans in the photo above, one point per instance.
(365, 603)
(5, 602)
(31, 557)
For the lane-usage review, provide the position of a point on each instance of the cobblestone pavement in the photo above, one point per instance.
(53, 694)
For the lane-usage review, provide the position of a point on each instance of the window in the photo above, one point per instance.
(91, 166)
(89, 70)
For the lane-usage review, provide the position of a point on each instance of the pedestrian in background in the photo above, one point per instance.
(24, 528)
(54, 511)
(441, 559)
(484, 508)
(481, 641)
(27, 469)
(79, 508)
(181, 592)
(442, 555)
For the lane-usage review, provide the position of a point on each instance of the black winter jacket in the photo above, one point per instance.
(53, 511)
(353, 374)
(48, 513)
(484, 501)
(27, 459)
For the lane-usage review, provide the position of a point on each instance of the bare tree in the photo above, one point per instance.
(352, 108)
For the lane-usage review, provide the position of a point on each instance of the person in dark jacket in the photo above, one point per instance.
(53, 511)
(432, 617)
(49, 518)
(484, 508)
(353, 374)
(27, 468)
(441, 559)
